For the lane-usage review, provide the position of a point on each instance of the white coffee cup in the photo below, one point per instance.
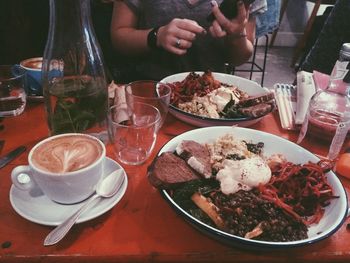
(66, 167)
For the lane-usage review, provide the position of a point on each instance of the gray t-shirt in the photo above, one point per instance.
(206, 53)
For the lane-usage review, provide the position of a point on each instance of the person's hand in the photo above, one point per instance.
(223, 26)
(177, 36)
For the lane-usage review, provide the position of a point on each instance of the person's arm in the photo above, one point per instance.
(175, 37)
(124, 35)
(239, 33)
(241, 48)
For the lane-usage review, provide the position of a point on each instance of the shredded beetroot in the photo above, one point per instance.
(300, 190)
(193, 84)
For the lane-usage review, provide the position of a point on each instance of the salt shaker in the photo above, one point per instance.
(328, 117)
(74, 81)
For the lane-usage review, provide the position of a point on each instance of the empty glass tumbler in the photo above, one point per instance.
(133, 131)
(150, 92)
(12, 92)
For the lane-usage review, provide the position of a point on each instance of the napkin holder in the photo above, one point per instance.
(305, 90)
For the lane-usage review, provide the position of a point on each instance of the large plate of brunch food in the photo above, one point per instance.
(249, 188)
(216, 99)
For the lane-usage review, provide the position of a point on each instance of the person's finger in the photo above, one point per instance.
(187, 35)
(213, 32)
(217, 30)
(178, 35)
(235, 25)
(176, 50)
(216, 11)
(190, 25)
(241, 12)
(177, 46)
(182, 43)
(219, 16)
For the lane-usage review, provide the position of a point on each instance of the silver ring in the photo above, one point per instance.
(178, 43)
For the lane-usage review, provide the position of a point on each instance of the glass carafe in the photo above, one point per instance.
(328, 117)
(74, 80)
(327, 110)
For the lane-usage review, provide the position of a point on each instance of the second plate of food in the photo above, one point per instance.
(206, 99)
(300, 204)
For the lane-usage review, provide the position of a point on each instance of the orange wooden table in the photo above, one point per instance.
(142, 227)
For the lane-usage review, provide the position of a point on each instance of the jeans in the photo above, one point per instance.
(268, 21)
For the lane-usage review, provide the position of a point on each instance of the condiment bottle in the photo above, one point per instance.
(74, 81)
(328, 117)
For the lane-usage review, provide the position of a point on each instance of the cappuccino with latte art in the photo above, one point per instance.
(66, 154)
(66, 167)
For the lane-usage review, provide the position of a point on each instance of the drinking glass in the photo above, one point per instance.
(133, 131)
(12, 93)
(150, 92)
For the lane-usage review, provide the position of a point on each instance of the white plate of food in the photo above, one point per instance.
(221, 216)
(210, 99)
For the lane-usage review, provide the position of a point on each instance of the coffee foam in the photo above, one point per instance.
(66, 154)
(32, 63)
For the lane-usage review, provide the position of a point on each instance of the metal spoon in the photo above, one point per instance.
(107, 187)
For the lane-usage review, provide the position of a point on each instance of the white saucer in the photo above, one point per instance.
(36, 207)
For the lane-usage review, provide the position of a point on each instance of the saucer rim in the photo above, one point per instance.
(84, 217)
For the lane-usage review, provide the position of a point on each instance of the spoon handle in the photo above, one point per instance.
(61, 230)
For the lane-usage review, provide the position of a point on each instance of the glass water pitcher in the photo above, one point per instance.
(74, 80)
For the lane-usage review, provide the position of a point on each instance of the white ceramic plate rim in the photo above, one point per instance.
(203, 134)
(59, 212)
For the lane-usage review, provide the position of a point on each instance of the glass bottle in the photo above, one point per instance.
(328, 117)
(74, 81)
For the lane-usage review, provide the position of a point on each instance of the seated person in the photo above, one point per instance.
(334, 33)
(155, 39)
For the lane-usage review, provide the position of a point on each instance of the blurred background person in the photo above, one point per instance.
(335, 31)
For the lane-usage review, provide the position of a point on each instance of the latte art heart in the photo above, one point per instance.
(66, 154)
